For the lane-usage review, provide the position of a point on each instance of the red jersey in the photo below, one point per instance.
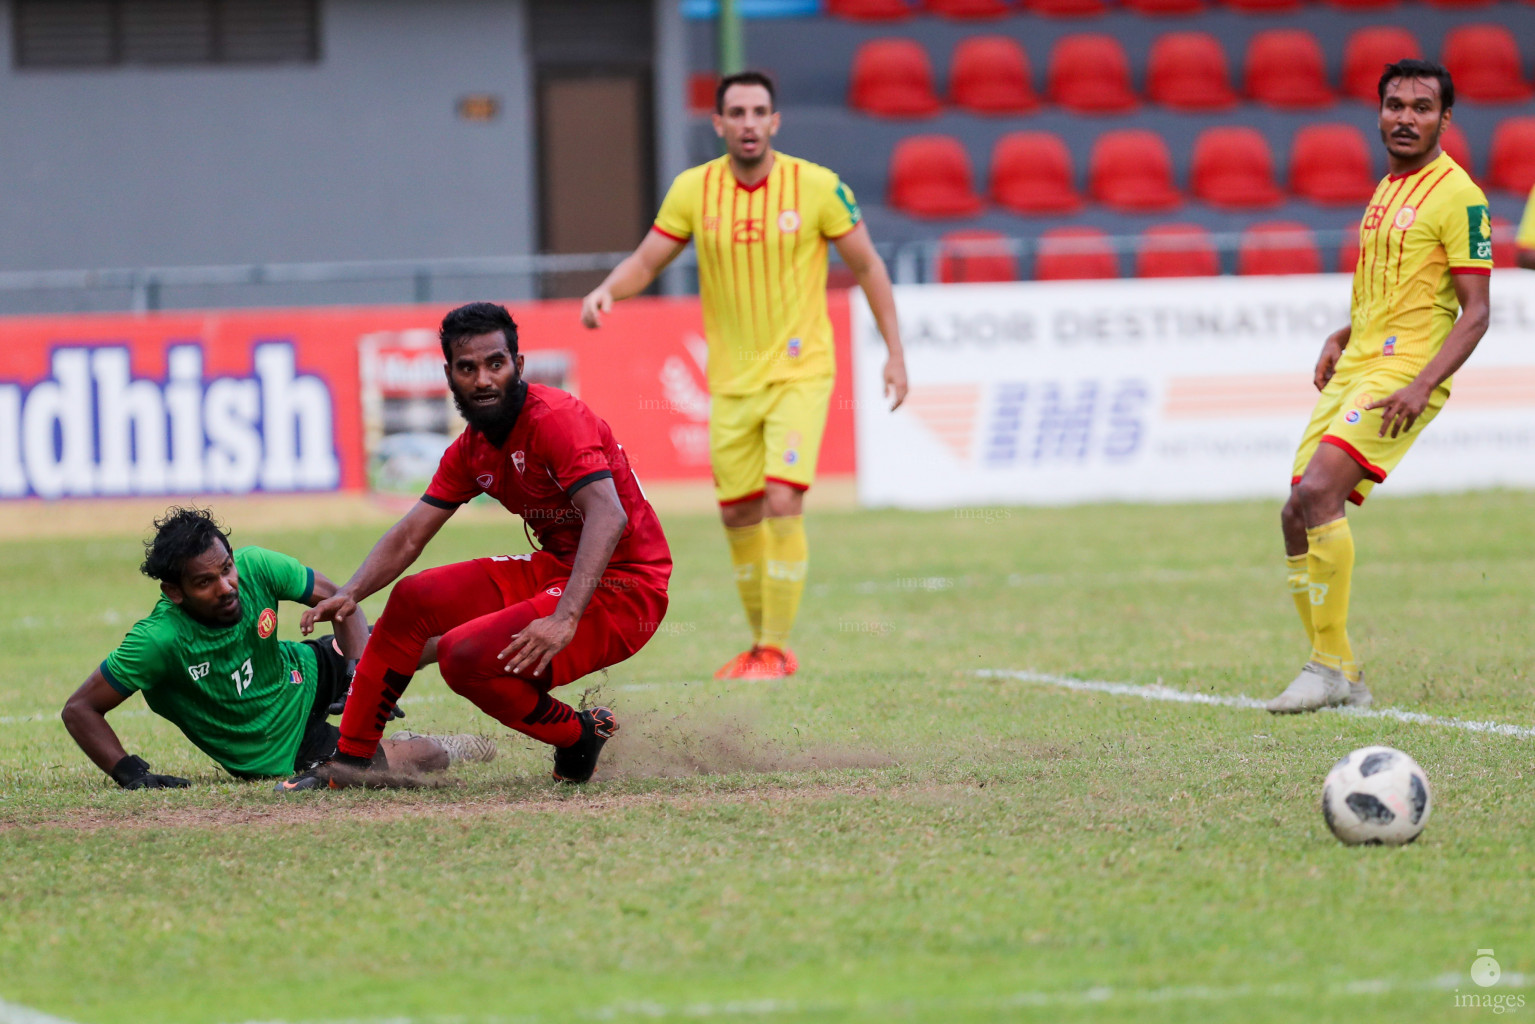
(556, 447)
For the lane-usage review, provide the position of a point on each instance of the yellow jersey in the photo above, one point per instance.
(1525, 239)
(1418, 230)
(761, 266)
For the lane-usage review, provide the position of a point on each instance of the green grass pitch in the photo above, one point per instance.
(887, 836)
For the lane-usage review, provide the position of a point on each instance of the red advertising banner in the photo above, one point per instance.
(331, 399)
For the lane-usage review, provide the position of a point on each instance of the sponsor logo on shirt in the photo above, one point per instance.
(1404, 217)
(198, 671)
(554, 591)
(1389, 348)
(790, 457)
(1373, 216)
(1479, 227)
(518, 461)
(1352, 416)
(747, 230)
(295, 678)
(794, 348)
(788, 221)
(266, 623)
(485, 480)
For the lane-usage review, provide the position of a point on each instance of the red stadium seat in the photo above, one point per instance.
(892, 78)
(1363, 5)
(1278, 247)
(966, 10)
(1330, 164)
(1512, 164)
(1065, 8)
(1031, 173)
(1504, 252)
(1484, 61)
(930, 176)
(976, 257)
(1132, 171)
(1076, 253)
(990, 75)
(1454, 142)
(1187, 71)
(1285, 69)
(1366, 55)
(1176, 250)
(1459, 4)
(870, 10)
(1233, 168)
(1090, 74)
(1264, 6)
(1159, 8)
(1348, 250)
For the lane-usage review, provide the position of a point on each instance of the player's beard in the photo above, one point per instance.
(1433, 140)
(494, 421)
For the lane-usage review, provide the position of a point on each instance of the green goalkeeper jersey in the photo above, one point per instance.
(237, 692)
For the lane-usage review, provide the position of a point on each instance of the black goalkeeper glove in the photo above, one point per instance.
(132, 772)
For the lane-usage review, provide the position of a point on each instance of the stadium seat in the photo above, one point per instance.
(1484, 61)
(1065, 8)
(1090, 74)
(1330, 164)
(1512, 164)
(1233, 168)
(1031, 173)
(966, 10)
(1285, 69)
(1459, 4)
(1504, 252)
(892, 78)
(1131, 170)
(1454, 142)
(1159, 8)
(870, 10)
(1366, 55)
(1363, 5)
(1278, 247)
(1187, 71)
(976, 257)
(1348, 250)
(1075, 253)
(1176, 250)
(1264, 6)
(990, 75)
(930, 176)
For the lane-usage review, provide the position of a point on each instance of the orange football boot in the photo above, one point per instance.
(771, 663)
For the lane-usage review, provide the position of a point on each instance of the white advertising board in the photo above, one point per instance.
(1153, 390)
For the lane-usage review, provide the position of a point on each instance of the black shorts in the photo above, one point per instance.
(331, 685)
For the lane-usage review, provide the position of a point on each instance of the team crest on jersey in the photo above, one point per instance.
(266, 623)
(1389, 348)
(198, 671)
(1352, 416)
(485, 480)
(519, 461)
(794, 348)
(790, 457)
(788, 221)
(554, 591)
(1404, 218)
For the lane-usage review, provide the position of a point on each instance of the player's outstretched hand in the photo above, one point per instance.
(895, 382)
(530, 651)
(132, 772)
(597, 304)
(335, 608)
(1327, 362)
(1401, 409)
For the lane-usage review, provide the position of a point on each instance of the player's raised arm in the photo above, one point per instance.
(85, 716)
(858, 252)
(395, 551)
(630, 277)
(602, 526)
(352, 630)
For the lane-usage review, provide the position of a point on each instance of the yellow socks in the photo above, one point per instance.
(1300, 592)
(784, 580)
(748, 551)
(1330, 569)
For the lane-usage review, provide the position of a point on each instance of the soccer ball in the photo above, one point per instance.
(1376, 796)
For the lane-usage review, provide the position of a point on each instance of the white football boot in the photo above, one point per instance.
(458, 747)
(1317, 686)
(1359, 695)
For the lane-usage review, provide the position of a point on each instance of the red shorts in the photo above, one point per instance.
(624, 613)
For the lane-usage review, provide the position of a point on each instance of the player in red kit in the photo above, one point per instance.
(512, 627)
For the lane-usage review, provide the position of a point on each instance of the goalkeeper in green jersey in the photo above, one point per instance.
(208, 660)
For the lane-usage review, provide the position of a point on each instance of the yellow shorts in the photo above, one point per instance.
(771, 434)
(1340, 419)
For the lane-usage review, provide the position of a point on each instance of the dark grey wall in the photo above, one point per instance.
(361, 156)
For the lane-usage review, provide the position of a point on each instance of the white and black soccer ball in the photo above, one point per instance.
(1376, 796)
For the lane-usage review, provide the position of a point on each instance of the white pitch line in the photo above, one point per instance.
(11, 1013)
(1167, 693)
